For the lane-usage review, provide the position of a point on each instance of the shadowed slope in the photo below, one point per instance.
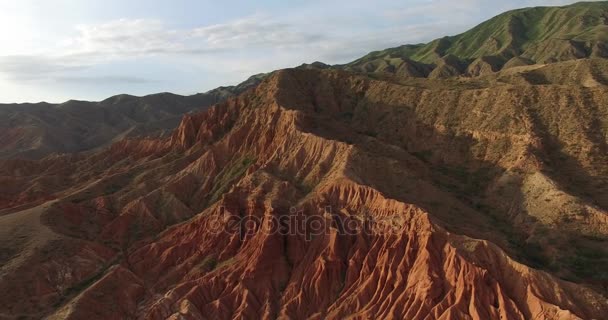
(33, 131)
(444, 165)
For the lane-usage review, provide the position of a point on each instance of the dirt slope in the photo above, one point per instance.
(322, 194)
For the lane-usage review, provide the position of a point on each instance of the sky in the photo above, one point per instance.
(56, 50)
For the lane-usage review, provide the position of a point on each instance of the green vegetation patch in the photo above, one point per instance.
(228, 176)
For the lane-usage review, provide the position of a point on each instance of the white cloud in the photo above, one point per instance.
(435, 9)
(104, 79)
(256, 30)
(127, 39)
(31, 67)
(124, 37)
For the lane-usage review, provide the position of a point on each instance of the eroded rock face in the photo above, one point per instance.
(413, 272)
(320, 194)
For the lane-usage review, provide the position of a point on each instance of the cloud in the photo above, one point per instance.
(127, 39)
(256, 30)
(435, 10)
(23, 67)
(104, 80)
(58, 69)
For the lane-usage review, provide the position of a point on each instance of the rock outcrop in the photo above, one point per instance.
(323, 194)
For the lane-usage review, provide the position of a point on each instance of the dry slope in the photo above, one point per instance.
(420, 200)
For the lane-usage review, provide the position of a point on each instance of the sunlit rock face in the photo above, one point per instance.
(323, 194)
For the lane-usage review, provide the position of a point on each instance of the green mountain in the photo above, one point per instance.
(514, 38)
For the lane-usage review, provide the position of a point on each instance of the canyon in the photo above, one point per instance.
(326, 192)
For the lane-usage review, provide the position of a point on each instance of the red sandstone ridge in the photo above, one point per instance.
(420, 200)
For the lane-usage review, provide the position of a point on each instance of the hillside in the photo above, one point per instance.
(520, 37)
(34, 131)
(483, 181)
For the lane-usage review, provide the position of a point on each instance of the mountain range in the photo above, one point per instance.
(516, 38)
(466, 178)
(35, 130)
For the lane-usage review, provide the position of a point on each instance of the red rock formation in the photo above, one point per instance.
(320, 194)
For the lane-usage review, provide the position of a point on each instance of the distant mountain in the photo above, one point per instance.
(34, 130)
(520, 37)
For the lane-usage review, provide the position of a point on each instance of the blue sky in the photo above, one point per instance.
(57, 50)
